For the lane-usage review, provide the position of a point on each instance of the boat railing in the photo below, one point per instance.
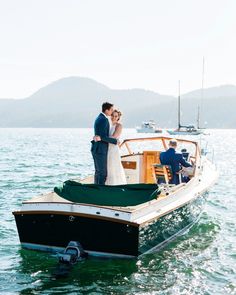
(211, 154)
(162, 139)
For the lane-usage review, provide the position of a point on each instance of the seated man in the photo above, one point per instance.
(175, 160)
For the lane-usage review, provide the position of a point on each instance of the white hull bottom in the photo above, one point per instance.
(149, 131)
(183, 133)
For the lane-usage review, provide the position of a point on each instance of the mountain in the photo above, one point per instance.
(217, 106)
(213, 92)
(76, 101)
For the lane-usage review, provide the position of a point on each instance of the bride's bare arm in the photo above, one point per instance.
(117, 131)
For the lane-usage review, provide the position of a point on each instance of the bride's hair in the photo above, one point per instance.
(118, 112)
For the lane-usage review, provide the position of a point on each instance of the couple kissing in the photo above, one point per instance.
(105, 147)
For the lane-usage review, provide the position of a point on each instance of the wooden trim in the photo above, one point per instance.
(131, 155)
(164, 144)
(150, 158)
(127, 146)
(162, 138)
(169, 211)
(114, 208)
(129, 164)
(44, 212)
(156, 138)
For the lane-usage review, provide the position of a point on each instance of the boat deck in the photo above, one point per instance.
(52, 197)
(171, 198)
(138, 169)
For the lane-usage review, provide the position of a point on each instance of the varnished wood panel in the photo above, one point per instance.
(129, 164)
(150, 158)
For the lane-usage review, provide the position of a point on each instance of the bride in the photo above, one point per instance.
(115, 171)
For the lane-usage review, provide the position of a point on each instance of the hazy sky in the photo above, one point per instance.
(147, 44)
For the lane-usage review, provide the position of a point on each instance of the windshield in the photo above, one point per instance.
(134, 146)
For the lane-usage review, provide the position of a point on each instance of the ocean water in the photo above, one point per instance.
(203, 261)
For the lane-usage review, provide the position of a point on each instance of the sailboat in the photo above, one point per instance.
(184, 129)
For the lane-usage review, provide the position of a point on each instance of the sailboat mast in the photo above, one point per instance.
(198, 117)
(202, 93)
(179, 108)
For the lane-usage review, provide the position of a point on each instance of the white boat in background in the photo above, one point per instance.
(148, 127)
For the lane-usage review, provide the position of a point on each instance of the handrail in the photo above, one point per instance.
(157, 138)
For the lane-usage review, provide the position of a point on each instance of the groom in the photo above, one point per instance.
(100, 143)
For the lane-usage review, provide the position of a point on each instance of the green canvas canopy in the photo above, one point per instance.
(107, 195)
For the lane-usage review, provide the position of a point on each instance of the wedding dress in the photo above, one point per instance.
(115, 170)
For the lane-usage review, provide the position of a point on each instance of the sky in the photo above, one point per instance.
(150, 44)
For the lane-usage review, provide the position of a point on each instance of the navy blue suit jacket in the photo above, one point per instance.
(175, 160)
(101, 128)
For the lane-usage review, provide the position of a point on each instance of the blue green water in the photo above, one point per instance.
(203, 261)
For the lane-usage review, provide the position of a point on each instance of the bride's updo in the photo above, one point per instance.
(118, 112)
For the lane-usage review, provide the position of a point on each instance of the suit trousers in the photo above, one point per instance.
(100, 164)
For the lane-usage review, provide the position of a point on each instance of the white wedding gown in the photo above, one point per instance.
(115, 171)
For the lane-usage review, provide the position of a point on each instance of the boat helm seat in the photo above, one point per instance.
(162, 173)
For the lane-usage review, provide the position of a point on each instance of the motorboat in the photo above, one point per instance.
(121, 220)
(148, 127)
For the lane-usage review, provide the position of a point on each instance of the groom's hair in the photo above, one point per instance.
(106, 106)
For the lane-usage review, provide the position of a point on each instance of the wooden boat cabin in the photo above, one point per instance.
(141, 158)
